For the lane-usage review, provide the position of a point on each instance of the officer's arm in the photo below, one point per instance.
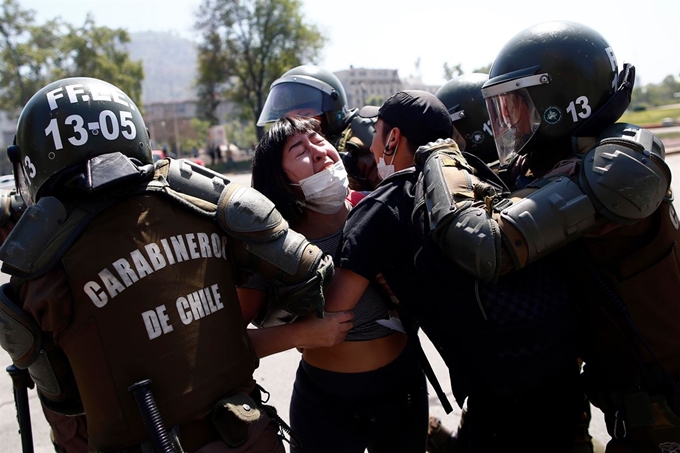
(622, 179)
(260, 239)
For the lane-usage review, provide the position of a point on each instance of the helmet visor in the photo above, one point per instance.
(514, 120)
(288, 99)
(22, 180)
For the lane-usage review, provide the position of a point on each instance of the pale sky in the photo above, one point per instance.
(396, 34)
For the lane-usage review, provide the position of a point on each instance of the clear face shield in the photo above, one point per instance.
(288, 99)
(22, 180)
(513, 115)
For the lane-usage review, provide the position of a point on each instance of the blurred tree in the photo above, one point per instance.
(654, 95)
(375, 100)
(240, 133)
(27, 54)
(198, 136)
(246, 45)
(452, 71)
(100, 52)
(31, 55)
(484, 69)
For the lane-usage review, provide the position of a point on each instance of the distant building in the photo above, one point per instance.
(372, 86)
(416, 83)
(8, 127)
(361, 84)
(170, 122)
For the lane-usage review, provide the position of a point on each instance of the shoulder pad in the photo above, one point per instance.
(30, 237)
(625, 174)
(20, 335)
(189, 178)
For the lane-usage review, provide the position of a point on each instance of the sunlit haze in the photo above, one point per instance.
(417, 38)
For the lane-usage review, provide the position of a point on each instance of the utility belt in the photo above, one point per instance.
(235, 420)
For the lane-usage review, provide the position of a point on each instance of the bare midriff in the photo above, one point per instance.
(357, 356)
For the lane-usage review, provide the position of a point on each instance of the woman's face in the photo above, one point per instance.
(305, 154)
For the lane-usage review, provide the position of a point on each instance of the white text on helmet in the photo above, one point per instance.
(82, 92)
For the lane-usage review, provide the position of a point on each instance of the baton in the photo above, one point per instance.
(151, 417)
(21, 382)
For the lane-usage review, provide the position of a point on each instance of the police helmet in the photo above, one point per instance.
(308, 90)
(67, 123)
(462, 97)
(545, 82)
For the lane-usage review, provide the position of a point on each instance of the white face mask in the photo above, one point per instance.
(325, 192)
(385, 170)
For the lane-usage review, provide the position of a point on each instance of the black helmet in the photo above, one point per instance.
(310, 91)
(545, 82)
(69, 122)
(462, 96)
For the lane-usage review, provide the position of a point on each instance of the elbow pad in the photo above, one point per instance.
(261, 240)
(265, 243)
(544, 220)
(461, 228)
(625, 174)
(47, 365)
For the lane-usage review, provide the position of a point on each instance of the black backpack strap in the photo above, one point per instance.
(411, 329)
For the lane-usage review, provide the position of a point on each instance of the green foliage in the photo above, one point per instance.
(654, 95)
(375, 100)
(32, 55)
(100, 52)
(241, 133)
(246, 45)
(651, 117)
(452, 71)
(484, 69)
(200, 127)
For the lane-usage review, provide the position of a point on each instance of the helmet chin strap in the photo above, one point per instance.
(612, 110)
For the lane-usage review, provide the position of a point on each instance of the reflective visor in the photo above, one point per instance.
(22, 182)
(514, 120)
(289, 98)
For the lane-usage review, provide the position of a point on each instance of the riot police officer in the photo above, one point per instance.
(462, 96)
(597, 192)
(122, 301)
(310, 90)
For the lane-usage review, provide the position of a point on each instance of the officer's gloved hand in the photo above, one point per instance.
(286, 303)
(442, 145)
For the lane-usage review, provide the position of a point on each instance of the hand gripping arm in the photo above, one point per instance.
(265, 245)
(622, 179)
(260, 240)
(459, 223)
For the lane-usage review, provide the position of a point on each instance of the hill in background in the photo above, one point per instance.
(169, 65)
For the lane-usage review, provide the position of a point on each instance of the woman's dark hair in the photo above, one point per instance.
(268, 176)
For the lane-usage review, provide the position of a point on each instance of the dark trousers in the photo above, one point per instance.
(384, 411)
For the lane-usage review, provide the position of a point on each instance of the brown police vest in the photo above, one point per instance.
(641, 263)
(154, 298)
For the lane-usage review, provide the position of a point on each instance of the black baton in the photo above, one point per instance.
(151, 417)
(21, 382)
